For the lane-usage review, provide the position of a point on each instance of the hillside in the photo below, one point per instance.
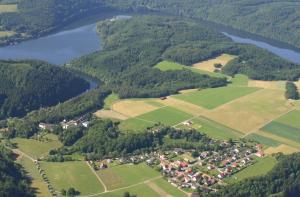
(29, 85)
(277, 19)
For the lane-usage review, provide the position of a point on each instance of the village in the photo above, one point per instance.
(191, 170)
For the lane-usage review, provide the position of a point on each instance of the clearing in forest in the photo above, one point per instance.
(209, 64)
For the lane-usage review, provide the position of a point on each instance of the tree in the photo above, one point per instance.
(63, 192)
(218, 66)
(126, 194)
(291, 91)
(72, 192)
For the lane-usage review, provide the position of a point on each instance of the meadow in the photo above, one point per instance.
(261, 167)
(214, 97)
(263, 140)
(72, 174)
(283, 130)
(4, 8)
(35, 148)
(126, 175)
(109, 100)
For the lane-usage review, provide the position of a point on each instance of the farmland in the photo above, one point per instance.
(212, 98)
(6, 33)
(72, 174)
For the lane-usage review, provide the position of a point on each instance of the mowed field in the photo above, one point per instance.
(214, 97)
(209, 64)
(35, 148)
(125, 175)
(72, 174)
(6, 33)
(8, 8)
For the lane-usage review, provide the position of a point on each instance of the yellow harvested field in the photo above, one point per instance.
(8, 8)
(251, 112)
(133, 108)
(274, 85)
(285, 149)
(110, 114)
(279, 139)
(189, 108)
(6, 33)
(298, 84)
(188, 91)
(209, 64)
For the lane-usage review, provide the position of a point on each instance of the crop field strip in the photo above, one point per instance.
(4, 8)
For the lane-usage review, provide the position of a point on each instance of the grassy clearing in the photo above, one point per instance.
(214, 129)
(163, 184)
(4, 8)
(214, 97)
(251, 112)
(167, 65)
(135, 125)
(126, 175)
(283, 130)
(37, 182)
(133, 108)
(262, 167)
(209, 64)
(166, 115)
(109, 100)
(35, 148)
(240, 80)
(72, 174)
(263, 140)
(139, 190)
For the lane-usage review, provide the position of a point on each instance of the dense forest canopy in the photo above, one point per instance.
(276, 19)
(13, 181)
(29, 85)
(282, 181)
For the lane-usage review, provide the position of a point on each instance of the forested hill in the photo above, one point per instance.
(13, 181)
(29, 85)
(276, 19)
(282, 181)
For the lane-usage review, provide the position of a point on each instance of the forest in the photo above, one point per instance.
(282, 181)
(30, 85)
(13, 181)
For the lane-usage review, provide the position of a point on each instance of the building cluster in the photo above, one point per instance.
(79, 122)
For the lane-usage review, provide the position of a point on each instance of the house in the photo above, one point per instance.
(260, 153)
(86, 124)
(188, 123)
(46, 127)
(66, 125)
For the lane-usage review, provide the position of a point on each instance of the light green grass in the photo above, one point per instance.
(283, 130)
(214, 129)
(262, 167)
(214, 97)
(263, 140)
(35, 148)
(135, 125)
(240, 80)
(72, 174)
(125, 175)
(167, 187)
(141, 190)
(168, 65)
(291, 119)
(109, 100)
(4, 8)
(166, 115)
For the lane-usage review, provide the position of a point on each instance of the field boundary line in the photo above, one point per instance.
(98, 177)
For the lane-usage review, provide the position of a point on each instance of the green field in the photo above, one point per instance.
(109, 100)
(214, 129)
(214, 97)
(125, 175)
(72, 174)
(262, 167)
(35, 148)
(263, 140)
(240, 80)
(166, 115)
(167, 65)
(164, 185)
(135, 125)
(283, 130)
(291, 119)
(141, 190)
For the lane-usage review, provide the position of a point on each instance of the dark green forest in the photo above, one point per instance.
(275, 19)
(13, 181)
(282, 181)
(30, 85)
